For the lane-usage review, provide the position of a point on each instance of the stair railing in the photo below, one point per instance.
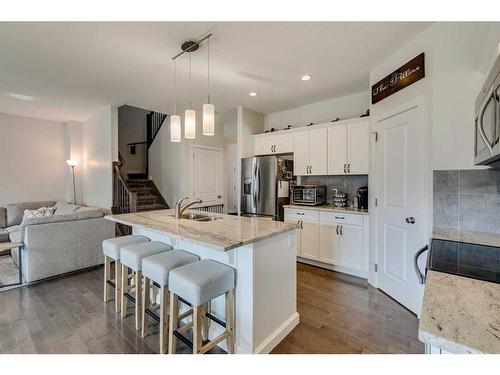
(124, 199)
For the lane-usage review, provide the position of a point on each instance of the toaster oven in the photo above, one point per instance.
(310, 195)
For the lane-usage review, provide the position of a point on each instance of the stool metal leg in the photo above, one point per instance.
(145, 306)
(107, 276)
(173, 319)
(118, 286)
(123, 291)
(230, 321)
(197, 325)
(164, 331)
(138, 300)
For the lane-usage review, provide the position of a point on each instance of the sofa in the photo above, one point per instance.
(69, 240)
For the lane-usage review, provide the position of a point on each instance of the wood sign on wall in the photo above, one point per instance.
(407, 74)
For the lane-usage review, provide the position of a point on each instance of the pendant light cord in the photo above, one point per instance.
(208, 70)
(175, 87)
(190, 84)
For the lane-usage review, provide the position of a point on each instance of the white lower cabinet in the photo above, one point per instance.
(336, 240)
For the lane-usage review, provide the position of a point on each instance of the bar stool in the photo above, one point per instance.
(198, 283)
(111, 250)
(131, 258)
(155, 269)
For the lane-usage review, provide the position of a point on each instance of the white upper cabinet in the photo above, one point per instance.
(273, 144)
(348, 148)
(309, 152)
(323, 149)
(358, 148)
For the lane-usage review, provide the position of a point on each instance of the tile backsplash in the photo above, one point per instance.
(346, 184)
(467, 200)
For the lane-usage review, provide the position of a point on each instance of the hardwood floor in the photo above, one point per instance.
(339, 314)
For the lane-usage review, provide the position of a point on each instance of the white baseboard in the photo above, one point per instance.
(331, 267)
(277, 336)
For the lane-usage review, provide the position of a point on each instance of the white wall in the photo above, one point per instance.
(169, 162)
(344, 107)
(249, 123)
(97, 159)
(74, 151)
(132, 128)
(32, 154)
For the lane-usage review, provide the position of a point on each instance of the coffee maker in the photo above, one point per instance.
(362, 196)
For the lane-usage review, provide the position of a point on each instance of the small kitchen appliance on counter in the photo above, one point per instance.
(309, 195)
(362, 196)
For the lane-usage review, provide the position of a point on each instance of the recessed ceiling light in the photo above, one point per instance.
(306, 77)
(22, 97)
(253, 93)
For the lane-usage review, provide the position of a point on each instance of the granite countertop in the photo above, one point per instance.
(460, 315)
(329, 207)
(223, 235)
(469, 236)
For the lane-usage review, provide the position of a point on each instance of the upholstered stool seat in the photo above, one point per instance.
(131, 259)
(198, 283)
(156, 269)
(112, 246)
(111, 250)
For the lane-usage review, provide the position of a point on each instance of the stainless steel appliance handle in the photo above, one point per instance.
(421, 277)
(480, 119)
(254, 188)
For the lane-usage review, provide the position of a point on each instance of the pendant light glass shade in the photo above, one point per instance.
(208, 119)
(190, 124)
(175, 128)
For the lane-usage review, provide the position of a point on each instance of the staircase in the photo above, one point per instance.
(148, 196)
(133, 195)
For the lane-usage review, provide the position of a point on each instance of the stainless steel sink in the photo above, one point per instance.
(199, 217)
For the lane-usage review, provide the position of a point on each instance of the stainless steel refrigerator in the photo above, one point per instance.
(265, 186)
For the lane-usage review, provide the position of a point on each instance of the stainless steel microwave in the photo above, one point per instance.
(310, 195)
(487, 120)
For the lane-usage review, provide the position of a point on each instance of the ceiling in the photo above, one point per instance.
(74, 69)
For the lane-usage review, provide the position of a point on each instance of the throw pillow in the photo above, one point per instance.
(41, 212)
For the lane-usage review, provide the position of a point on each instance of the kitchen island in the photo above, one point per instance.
(261, 251)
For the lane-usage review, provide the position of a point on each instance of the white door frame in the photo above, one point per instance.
(192, 146)
(426, 227)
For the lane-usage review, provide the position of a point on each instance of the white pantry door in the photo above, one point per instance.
(401, 201)
(206, 174)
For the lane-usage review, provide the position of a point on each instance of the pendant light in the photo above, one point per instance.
(208, 108)
(175, 119)
(190, 114)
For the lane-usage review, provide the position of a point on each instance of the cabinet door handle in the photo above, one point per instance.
(349, 168)
(341, 227)
(274, 148)
(345, 169)
(301, 224)
(310, 169)
(337, 229)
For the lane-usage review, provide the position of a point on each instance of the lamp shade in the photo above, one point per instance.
(190, 124)
(72, 163)
(208, 119)
(175, 128)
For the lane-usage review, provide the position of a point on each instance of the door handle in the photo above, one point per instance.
(421, 277)
(337, 229)
(410, 220)
(479, 120)
(341, 228)
(301, 224)
(310, 169)
(345, 169)
(349, 168)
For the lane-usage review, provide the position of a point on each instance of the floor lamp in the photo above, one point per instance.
(73, 164)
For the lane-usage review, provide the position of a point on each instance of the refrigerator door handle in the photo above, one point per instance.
(254, 183)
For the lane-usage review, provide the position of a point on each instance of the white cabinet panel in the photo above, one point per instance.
(293, 221)
(351, 247)
(263, 145)
(337, 149)
(318, 149)
(328, 243)
(309, 239)
(283, 144)
(301, 153)
(358, 148)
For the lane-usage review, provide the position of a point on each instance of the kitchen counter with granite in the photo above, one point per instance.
(329, 207)
(224, 234)
(460, 315)
(469, 236)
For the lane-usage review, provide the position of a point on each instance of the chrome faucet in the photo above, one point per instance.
(179, 208)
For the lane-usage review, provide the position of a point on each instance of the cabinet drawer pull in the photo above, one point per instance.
(340, 217)
(300, 213)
